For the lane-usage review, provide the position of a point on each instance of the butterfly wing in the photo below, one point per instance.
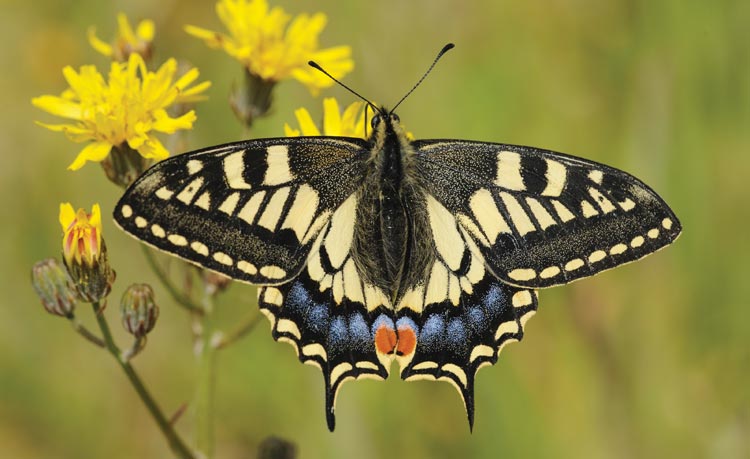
(456, 317)
(329, 314)
(541, 218)
(250, 210)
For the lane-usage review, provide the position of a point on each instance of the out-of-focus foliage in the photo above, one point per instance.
(649, 360)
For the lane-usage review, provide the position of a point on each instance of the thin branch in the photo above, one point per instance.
(135, 348)
(246, 325)
(204, 400)
(85, 332)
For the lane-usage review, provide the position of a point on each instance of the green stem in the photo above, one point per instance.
(137, 346)
(246, 326)
(83, 331)
(175, 442)
(204, 400)
(181, 299)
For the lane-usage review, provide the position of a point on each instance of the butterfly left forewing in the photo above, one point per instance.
(542, 218)
(250, 210)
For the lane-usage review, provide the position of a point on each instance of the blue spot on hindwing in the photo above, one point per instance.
(494, 301)
(338, 336)
(359, 332)
(456, 335)
(406, 322)
(298, 298)
(300, 303)
(432, 331)
(380, 321)
(476, 318)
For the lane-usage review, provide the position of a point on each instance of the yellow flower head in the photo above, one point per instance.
(82, 240)
(261, 41)
(127, 108)
(127, 41)
(349, 124)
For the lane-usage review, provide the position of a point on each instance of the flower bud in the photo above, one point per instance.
(215, 282)
(54, 287)
(139, 312)
(85, 253)
(253, 99)
(123, 165)
(128, 40)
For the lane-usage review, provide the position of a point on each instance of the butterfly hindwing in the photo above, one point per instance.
(542, 218)
(458, 316)
(250, 210)
(329, 314)
(455, 341)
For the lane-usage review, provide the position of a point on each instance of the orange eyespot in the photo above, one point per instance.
(407, 341)
(385, 339)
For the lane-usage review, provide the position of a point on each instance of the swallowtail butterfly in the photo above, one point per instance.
(427, 252)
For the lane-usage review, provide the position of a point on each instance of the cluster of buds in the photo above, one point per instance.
(86, 275)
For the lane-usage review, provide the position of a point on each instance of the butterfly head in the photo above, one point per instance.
(383, 119)
(386, 128)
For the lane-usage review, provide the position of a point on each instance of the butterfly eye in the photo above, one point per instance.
(395, 118)
(375, 121)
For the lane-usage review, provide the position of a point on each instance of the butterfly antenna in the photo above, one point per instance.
(315, 65)
(445, 49)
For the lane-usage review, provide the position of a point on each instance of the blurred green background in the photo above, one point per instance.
(649, 360)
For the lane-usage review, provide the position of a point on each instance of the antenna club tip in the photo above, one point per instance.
(313, 64)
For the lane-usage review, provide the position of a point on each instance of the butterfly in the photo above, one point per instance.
(366, 251)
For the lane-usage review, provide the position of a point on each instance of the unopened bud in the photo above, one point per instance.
(215, 282)
(139, 312)
(123, 165)
(253, 99)
(93, 282)
(54, 287)
(85, 253)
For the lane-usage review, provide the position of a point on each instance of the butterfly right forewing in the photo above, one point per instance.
(542, 218)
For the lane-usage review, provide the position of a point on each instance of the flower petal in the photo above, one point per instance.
(95, 151)
(67, 215)
(164, 123)
(212, 39)
(124, 29)
(153, 149)
(96, 216)
(194, 94)
(352, 121)
(331, 117)
(146, 30)
(58, 106)
(289, 132)
(306, 124)
(99, 45)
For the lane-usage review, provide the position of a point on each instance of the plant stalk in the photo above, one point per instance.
(175, 442)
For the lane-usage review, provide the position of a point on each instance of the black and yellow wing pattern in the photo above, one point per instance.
(428, 253)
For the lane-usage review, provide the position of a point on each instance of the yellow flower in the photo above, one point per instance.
(82, 240)
(258, 37)
(349, 124)
(127, 40)
(127, 108)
